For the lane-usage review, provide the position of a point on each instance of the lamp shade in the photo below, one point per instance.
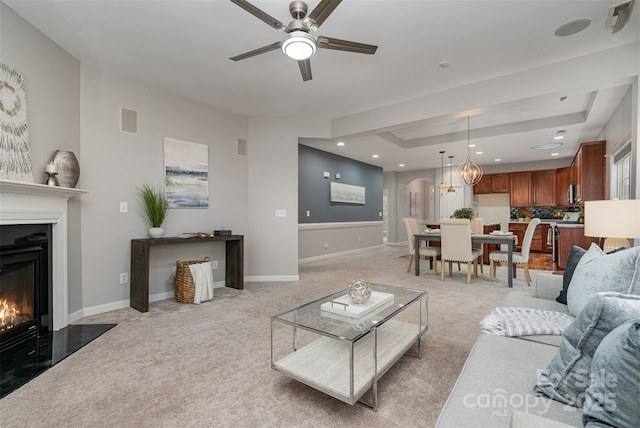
(612, 218)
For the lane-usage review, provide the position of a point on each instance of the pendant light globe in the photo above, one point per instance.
(470, 172)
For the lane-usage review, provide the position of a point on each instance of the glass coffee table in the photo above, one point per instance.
(344, 351)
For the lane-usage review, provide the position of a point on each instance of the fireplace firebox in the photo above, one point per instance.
(24, 284)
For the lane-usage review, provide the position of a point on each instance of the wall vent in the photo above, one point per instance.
(241, 147)
(128, 121)
(619, 15)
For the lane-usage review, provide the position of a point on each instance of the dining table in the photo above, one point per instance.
(500, 238)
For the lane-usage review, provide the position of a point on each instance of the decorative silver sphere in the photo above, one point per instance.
(359, 291)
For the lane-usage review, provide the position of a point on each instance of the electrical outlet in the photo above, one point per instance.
(308, 213)
(124, 278)
(326, 245)
(124, 207)
(214, 264)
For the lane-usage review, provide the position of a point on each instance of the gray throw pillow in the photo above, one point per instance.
(567, 376)
(575, 255)
(613, 397)
(597, 272)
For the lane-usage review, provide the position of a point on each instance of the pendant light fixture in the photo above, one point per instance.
(470, 172)
(451, 189)
(442, 186)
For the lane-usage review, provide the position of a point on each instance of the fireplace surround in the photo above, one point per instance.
(28, 203)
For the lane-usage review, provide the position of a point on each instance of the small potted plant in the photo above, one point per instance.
(156, 208)
(463, 213)
(521, 216)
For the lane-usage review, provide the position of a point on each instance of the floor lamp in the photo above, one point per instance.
(616, 220)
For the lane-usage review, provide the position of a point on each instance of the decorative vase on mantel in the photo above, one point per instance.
(156, 232)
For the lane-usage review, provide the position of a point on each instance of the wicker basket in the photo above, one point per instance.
(185, 288)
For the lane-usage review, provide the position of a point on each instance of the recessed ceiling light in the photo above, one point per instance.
(444, 64)
(546, 146)
(555, 154)
(375, 156)
(572, 27)
(560, 134)
(497, 160)
(479, 153)
(472, 145)
(401, 165)
(340, 144)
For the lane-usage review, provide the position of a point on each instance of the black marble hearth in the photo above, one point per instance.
(23, 362)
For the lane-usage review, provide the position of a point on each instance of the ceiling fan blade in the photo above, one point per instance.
(322, 11)
(258, 51)
(345, 45)
(260, 14)
(305, 69)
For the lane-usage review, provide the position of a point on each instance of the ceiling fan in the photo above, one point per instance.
(298, 43)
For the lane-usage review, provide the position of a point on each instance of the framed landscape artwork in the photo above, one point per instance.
(186, 173)
(346, 193)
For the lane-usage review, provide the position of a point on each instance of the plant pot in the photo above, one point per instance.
(521, 219)
(156, 232)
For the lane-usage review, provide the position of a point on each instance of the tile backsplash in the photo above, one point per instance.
(544, 212)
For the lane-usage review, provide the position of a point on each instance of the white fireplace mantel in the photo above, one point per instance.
(29, 203)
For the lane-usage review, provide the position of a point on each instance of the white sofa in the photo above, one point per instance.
(494, 387)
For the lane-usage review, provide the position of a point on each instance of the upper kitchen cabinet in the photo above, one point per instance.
(589, 168)
(483, 186)
(492, 183)
(499, 183)
(521, 191)
(564, 177)
(544, 188)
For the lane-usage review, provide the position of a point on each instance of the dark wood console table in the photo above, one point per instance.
(140, 249)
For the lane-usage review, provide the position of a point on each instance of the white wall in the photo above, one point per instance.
(114, 164)
(273, 184)
(52, 79)
(617, 132)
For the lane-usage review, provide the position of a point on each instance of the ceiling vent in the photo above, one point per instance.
(619, 15)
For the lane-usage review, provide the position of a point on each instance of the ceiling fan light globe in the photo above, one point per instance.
(298, 45)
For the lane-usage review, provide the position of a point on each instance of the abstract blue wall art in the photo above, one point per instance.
(186, 169)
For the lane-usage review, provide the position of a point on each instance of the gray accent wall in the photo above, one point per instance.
(314, 189)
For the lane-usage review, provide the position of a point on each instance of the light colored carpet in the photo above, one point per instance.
(208, 365)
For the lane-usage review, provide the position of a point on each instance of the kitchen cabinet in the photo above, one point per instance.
(483, 186)
(589, 168)
(521, 192)
(492, 183)
(500, 183)
(564, 176)
(487, 248)
(518, 229)
(567, 238)
(544, 188)
(539, 239)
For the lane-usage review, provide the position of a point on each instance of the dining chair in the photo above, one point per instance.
(431, 252)
(519, 258)
(477, 226)
(456, 246)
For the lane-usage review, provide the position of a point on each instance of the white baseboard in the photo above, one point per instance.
(100, 309)
(330, 255)
(272, 278)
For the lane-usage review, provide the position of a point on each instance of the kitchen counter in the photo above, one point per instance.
(559, 223)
